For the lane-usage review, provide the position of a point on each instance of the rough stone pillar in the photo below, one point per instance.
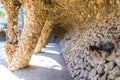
(29, 38)
(12, 8)
(45, 34)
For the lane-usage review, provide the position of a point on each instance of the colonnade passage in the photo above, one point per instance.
(63, 40)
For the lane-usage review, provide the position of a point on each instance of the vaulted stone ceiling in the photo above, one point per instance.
(86, 24)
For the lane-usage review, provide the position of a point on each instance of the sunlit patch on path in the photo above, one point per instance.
(48, 65)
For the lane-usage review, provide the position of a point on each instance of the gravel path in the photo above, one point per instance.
(48, 65)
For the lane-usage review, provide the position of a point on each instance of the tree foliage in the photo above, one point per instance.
(3, 13)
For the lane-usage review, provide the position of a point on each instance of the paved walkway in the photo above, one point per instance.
(48, 65)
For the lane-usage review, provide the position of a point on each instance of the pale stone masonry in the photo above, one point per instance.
(90, 43)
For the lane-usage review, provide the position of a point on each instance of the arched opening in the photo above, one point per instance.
(61, 33)
(54, 32)
(82, 50)
(58, 33)
(21, 19)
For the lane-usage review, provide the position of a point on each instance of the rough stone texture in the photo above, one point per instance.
(96, 44)
(91, 41)
(29, 37)
(98, 47)
(12, 8)
(44, 37)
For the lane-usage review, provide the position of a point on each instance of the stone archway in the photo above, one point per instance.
(54, 28)
(16, 60)
(94, 25)
(58, 33)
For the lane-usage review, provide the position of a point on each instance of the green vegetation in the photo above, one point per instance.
(3, 17)
(3, 13)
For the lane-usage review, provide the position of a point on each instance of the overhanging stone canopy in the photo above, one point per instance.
(91, 34)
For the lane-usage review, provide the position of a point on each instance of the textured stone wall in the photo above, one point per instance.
(90, 45)
(93, 52)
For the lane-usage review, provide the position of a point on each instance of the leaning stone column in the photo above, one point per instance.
(45, 34)
(28, 41)
(12, 8)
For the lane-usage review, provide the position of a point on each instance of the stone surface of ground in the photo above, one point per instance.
(48, 65)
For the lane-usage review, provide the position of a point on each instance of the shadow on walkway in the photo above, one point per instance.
(48, 65)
